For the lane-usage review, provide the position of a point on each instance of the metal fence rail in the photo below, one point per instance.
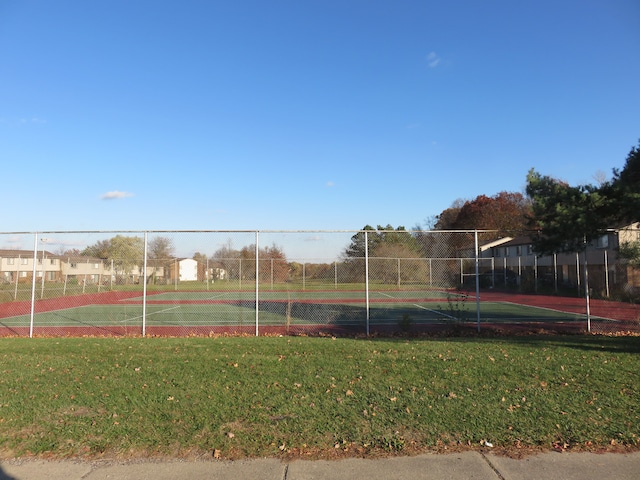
(284, 282)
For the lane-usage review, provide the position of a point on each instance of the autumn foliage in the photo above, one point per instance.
(506, 212)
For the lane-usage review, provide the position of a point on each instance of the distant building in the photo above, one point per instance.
(515, 258)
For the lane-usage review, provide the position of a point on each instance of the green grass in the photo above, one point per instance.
(270, 396)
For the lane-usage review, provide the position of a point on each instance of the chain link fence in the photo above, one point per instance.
(305, 282)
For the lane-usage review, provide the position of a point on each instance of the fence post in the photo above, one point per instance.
(519, 274)
(586, 290)
(257, 277)
(42, 240)
(555, 272)
(606, 272)
(144, 288)
(578, 272)
(66, 278)
(366, 275)
(33, 283)
(15, 293)
(477, 279)
(84, 280)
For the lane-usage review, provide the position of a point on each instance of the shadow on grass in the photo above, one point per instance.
(595, 343)
(586, 342)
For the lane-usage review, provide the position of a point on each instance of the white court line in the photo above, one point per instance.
(149, 314)
(435, 311)
(423, 308)
(216, 296)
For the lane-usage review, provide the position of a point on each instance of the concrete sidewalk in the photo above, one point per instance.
(466, 465)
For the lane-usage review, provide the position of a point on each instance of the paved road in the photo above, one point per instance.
(467, 465)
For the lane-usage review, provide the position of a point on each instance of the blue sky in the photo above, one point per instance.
(303, 114)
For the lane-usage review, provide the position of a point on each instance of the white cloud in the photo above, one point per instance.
(116, 194)
(32, 120)
(23, 121)
(330, 184)
(433, 60)
(15, 239)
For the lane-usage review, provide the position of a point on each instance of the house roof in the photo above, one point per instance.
(79, 258)
(494, 243)
(518, 241)
(23, 253)
(15, 253)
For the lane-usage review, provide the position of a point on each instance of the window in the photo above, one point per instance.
(529, 249)
(53, 261)
(24, 261)
(519, 250)
(603, 242)
(96, 266)
(73, 265)
(11, 261)
(497, 252)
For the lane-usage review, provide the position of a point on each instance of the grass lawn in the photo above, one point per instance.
(315, 397)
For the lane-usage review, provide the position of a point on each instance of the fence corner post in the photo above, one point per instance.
(477, 260)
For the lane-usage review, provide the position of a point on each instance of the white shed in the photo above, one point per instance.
(188, 268)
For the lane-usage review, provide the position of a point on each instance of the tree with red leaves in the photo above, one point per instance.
(506, 212)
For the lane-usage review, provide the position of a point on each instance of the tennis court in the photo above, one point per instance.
(250, 282)
(198, 312)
